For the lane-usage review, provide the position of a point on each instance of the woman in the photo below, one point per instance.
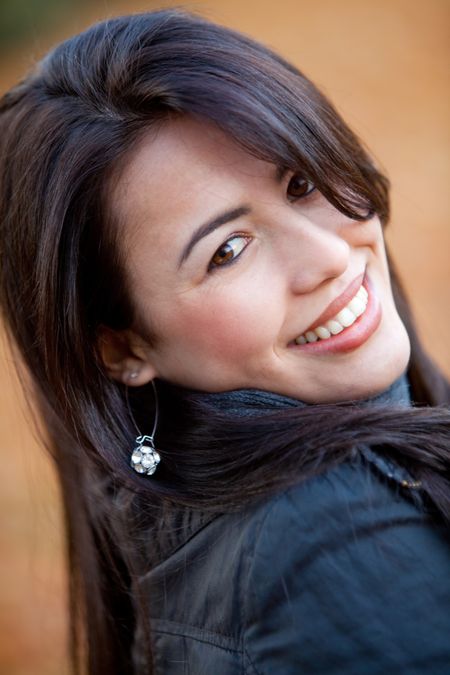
(193, 258)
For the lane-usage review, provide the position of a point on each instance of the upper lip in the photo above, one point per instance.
(338, 303)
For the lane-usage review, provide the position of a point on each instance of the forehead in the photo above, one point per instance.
(182, 172)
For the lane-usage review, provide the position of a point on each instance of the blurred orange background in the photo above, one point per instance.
(384, 63)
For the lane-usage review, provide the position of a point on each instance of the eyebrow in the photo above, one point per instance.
(280, 173)
(210, 226)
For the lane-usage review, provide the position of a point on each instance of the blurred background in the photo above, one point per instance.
(385, 64)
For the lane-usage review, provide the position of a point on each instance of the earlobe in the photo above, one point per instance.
(133, 372)
(124, 360)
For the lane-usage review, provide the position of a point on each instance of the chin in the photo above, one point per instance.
(380, 366)
(366, 371)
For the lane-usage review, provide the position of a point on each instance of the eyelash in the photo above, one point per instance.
(214, 266)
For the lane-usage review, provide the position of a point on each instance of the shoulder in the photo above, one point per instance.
(367, 493)
(342, 569)
(342, 573)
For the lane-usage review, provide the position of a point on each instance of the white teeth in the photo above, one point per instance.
(357, 306)
(322, 332)
(334, 327)
(362, 293)
(346, 317)
(311, 336)
(343, 319)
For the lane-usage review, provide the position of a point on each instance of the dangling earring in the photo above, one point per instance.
(145, 458)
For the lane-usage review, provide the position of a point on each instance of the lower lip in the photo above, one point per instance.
(355, 335)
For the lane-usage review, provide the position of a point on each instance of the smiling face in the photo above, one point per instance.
(237, 270)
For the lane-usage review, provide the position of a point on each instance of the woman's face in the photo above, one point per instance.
(233, 267)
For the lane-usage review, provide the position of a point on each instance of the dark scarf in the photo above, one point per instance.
(248, 402)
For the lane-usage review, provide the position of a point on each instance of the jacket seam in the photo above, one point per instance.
(249, 658)
(161, 562)
(167, 627)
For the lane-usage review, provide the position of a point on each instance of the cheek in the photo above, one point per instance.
(231, 323)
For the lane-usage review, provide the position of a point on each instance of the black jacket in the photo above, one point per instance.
(347, 573)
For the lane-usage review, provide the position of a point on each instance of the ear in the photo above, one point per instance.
(126, 359)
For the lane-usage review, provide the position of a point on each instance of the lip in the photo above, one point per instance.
(356, 334)
(338, 303)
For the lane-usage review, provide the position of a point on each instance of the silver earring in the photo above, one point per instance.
(145, 458)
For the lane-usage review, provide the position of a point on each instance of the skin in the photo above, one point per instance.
(232, 326)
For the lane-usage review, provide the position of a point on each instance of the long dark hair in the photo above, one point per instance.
(64, 131)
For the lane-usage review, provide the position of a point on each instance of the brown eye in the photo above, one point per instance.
(298, 187)
(229, 251)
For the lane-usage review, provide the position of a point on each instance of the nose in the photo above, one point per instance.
(315, 255)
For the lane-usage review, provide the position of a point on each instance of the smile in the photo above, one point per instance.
(342, 328)
(343, 319)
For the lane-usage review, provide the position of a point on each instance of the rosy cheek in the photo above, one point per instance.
(229, 327)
